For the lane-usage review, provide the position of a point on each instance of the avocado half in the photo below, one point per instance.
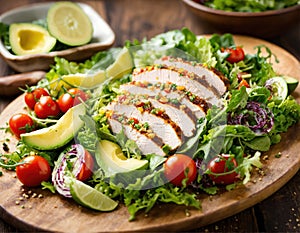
(28, 38)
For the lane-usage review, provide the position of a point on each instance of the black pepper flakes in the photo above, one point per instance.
(5, 147)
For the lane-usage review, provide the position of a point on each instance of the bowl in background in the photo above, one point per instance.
(266, 24)
(103, 38)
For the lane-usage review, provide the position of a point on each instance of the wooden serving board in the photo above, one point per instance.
(52, 212)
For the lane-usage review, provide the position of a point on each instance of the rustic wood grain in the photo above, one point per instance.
(56, 213)
(261, 217)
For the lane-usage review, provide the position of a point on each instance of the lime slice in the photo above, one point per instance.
(122, 65)
(78, 80)
(69, 24)
(291, 82)
(90, 197)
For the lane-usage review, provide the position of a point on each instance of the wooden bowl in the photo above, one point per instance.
(265, 24)
(103, 38)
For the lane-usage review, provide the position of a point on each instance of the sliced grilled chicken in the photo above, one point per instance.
(179, 77)
(214, 78)
(180, 114)
(186, 121)
(145, 143)
(159, 123)
(182, 98)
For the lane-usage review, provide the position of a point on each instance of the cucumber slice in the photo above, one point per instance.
(291, 82)
(278, 87)
(69, 24)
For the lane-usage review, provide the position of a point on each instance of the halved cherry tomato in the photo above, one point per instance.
(46, 107)
(178, 167)
(223, 164)
(21, 123)
(33, 171)
(73, 97)
(235, 54)
(32, 97)
(87, 168)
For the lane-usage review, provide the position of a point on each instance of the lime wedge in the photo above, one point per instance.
(122, 65)
(78, 80)
(69, 24)
(90, 197)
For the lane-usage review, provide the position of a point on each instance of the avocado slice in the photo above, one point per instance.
(111, 159)
(28, 38)
(59, 134)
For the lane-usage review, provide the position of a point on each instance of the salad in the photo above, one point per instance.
(102, 131)
(248, 6)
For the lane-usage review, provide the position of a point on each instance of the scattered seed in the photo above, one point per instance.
(17, 203)
(266, 157)
(187, 213)
(278, 155)
(40, 196)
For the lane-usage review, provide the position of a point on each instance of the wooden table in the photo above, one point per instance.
(136, 19)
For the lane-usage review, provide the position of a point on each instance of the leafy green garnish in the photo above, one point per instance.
(249, 5)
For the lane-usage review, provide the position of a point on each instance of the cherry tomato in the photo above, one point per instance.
(32, 97)
(34, 170)
(236, 54)
(178, 167)
(73, 97)
(46, 107)
(21, 123)
(87, 168)
(222, 164)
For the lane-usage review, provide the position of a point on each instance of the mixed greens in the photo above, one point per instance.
(251, 120)
(248, 5)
